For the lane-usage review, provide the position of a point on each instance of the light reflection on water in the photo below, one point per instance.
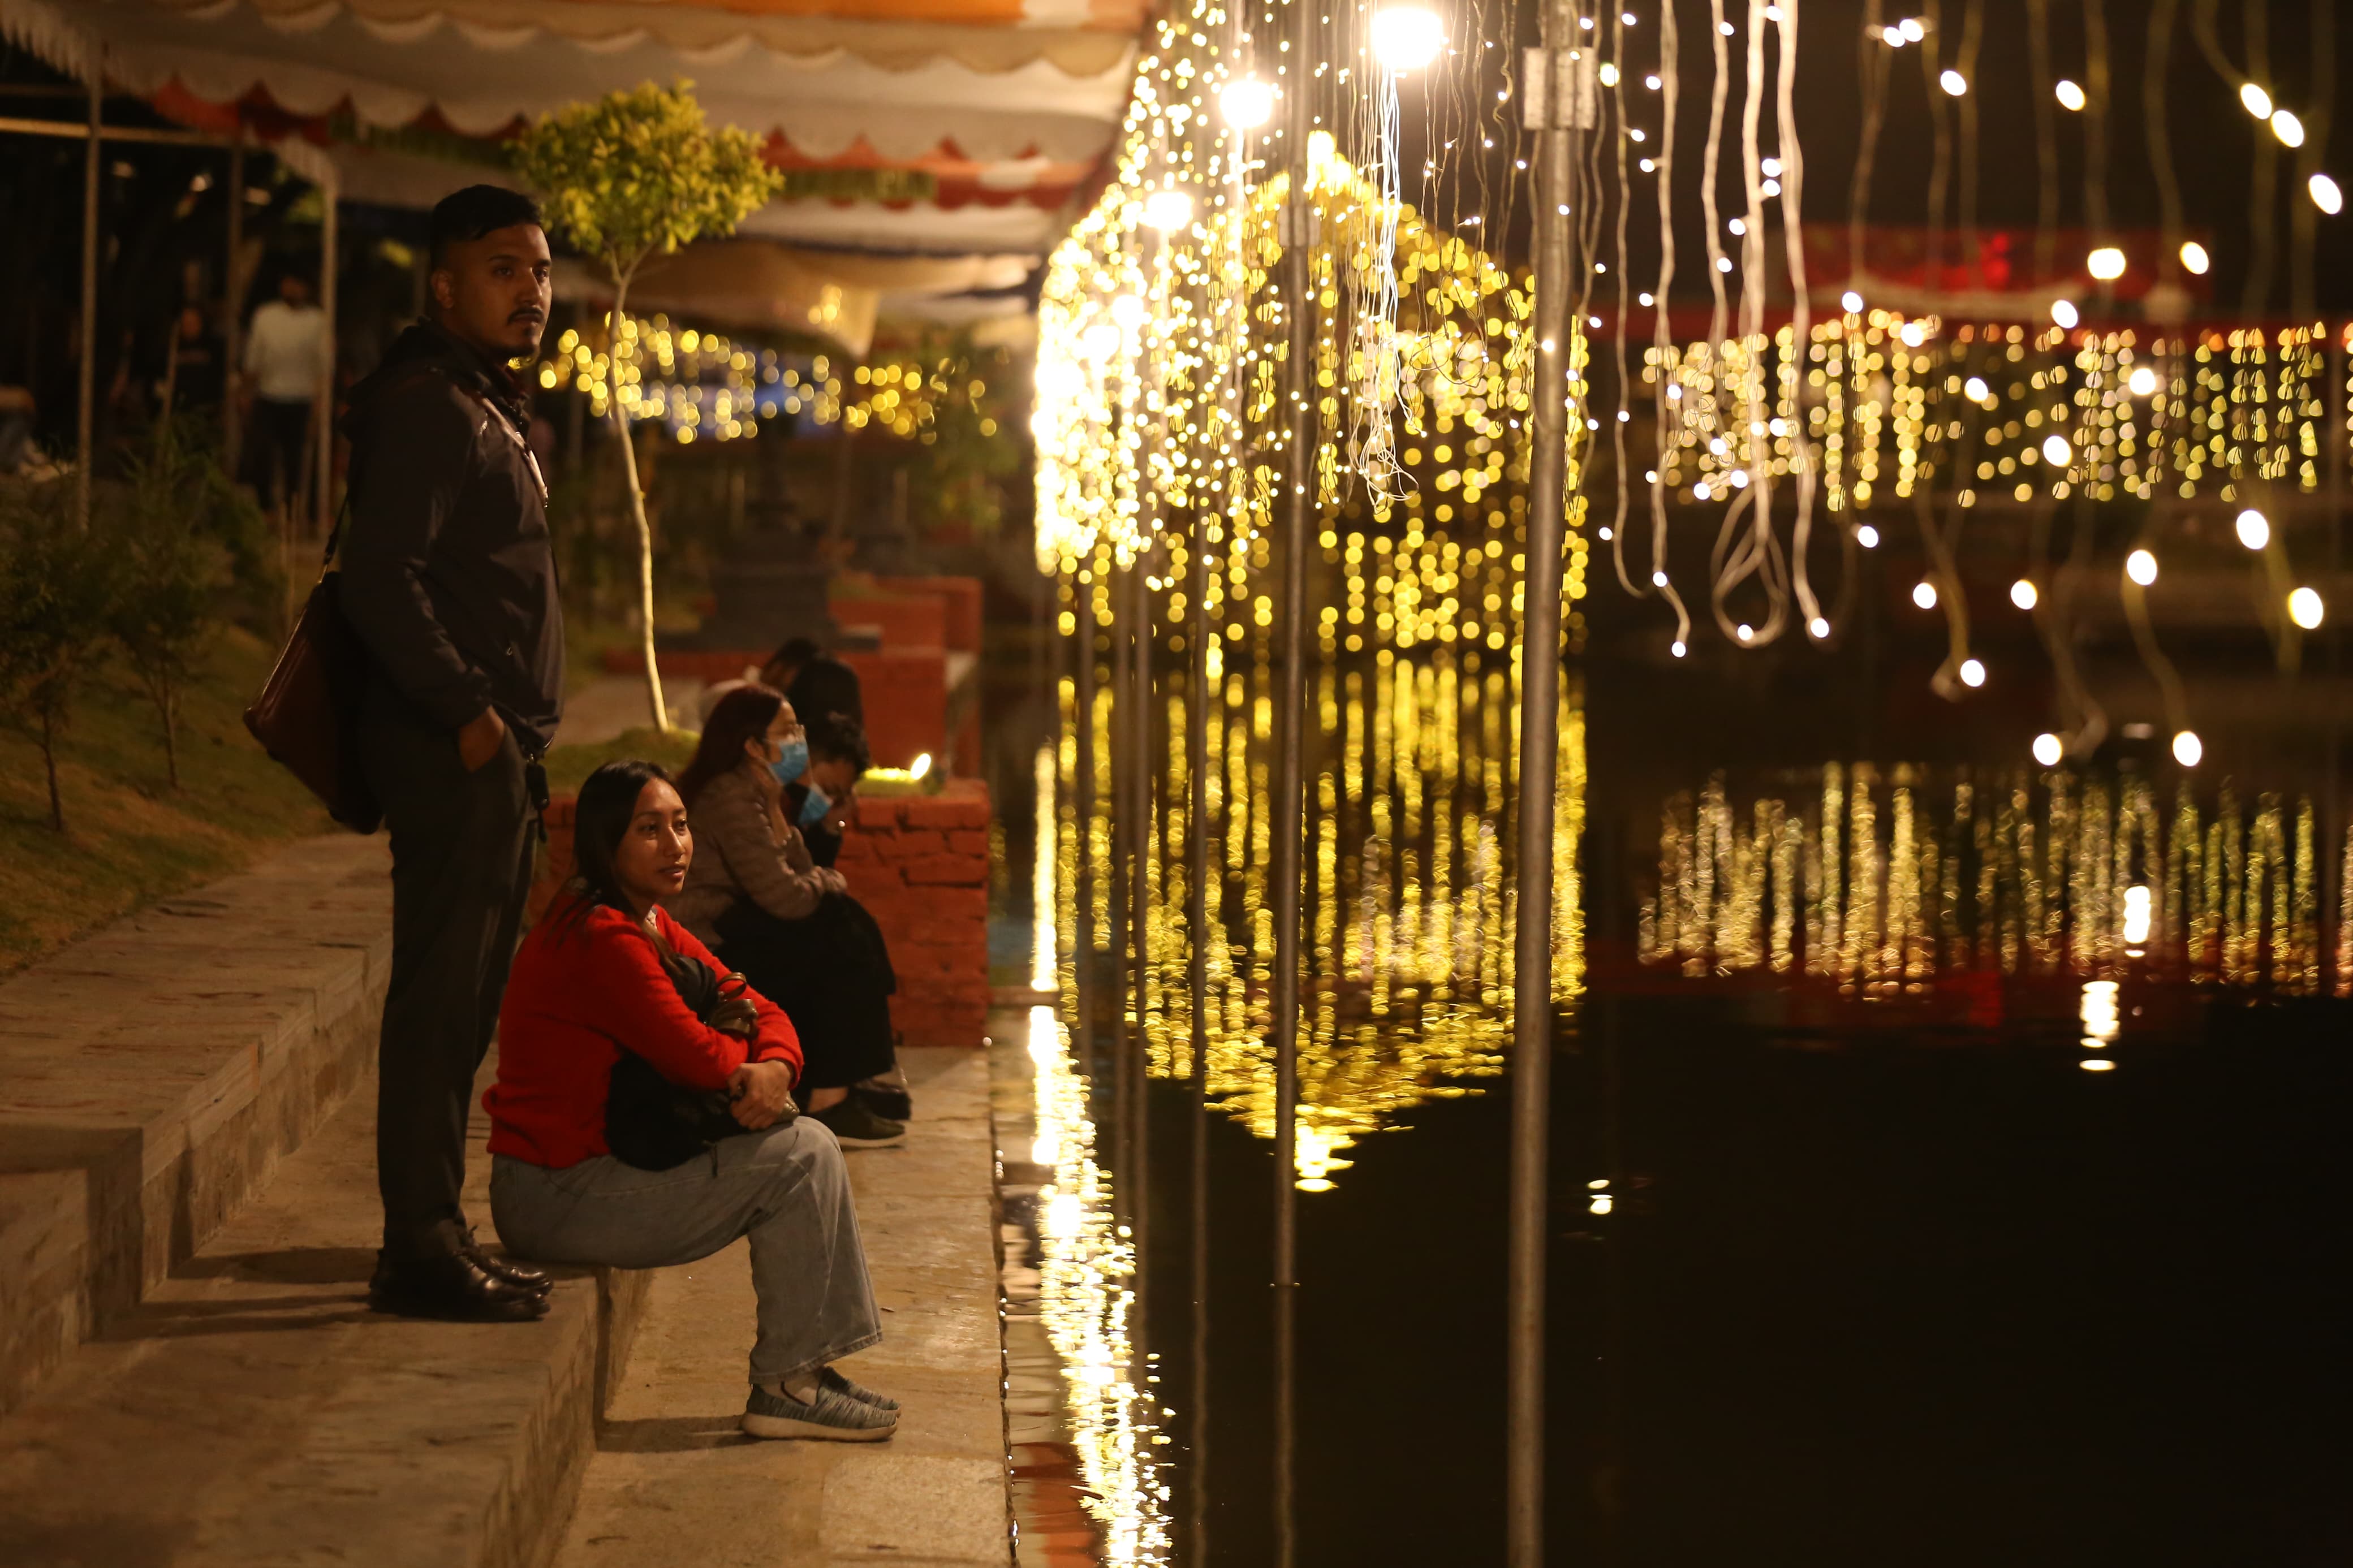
(1408, 912)
(1879, 883)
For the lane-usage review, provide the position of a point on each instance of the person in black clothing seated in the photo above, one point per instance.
(789, 925)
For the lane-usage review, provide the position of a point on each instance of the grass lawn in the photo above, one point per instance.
(129, 837)
(569, 767)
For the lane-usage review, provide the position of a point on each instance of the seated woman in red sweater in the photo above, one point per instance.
(591, 983)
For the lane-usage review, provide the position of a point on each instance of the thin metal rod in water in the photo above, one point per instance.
(86, 386)
(1286, 807)
(1137, 1173)
(1556, 101)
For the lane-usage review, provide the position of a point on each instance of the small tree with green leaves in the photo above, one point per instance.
(634, 175)
(167, 530)
(58, 586)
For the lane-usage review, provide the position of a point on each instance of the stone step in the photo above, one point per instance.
(252, 1413)
(152, 1076)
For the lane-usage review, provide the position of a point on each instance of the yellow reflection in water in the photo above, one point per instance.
(1086, 1300)
(1407, 914)
(1914, 876)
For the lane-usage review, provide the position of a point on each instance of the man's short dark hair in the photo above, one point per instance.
(795, 651)
(837, 736)
(476, 211)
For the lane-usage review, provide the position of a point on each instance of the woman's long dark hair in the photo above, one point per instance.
(601, 816)
(743, 714)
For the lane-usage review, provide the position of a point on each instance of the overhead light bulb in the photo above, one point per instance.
(1169, 210)
(2106, 264)
(2023, 595)
(1819, 627)
(1867, 536)
(1407, 37)
(1923, 593)
(1954, 82)
(1128, 311)
(2287, 128)
(2056, 452)
(1772, 167)
(1658, 579)
(2047, 750)
(1914, 29)
(2141, 567)
(1977, 389)
(2071, 96)
(1852, 300)
(2305, 608)
(2142, 382)
(2254, 529)
(1246, 102)
(1679, 650)
(1608, 74)
(2187, 749)
(1744, 632)
(2326, 196)
(2194, 258)
(2063, 314)
(1972, 672)
(1892, 37)
(2258, 101)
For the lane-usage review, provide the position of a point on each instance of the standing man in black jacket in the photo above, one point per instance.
(450, 581)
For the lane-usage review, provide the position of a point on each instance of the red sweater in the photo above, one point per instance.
(576, 994)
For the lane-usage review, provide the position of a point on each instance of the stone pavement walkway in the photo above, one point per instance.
(674, 1482)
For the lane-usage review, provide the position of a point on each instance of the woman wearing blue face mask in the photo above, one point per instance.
(755, 895)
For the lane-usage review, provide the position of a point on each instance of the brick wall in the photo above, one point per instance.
(920, 863)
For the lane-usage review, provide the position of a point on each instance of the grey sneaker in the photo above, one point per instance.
(855, 1127)
(832, 1416)
(864, 1395)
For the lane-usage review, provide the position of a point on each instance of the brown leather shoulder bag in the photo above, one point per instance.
(307, 716)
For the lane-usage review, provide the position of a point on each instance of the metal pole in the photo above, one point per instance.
(1138, 1170)
(1196, 986)
(86, 392)
(1082, 810)
(1539, 752)
(1122, 864)
(1286, 806)
(323, 416)
(233, 303)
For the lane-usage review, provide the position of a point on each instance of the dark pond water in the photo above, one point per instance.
(1948, 1158)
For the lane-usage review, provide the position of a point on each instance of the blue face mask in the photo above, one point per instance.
(814, 809)
(792, 759)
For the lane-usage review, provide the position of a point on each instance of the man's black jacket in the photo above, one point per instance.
(448, 573)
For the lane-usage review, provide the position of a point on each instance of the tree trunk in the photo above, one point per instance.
(49, 760)
(637, 509)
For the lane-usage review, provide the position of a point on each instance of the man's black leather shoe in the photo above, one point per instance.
(454, 1287)
(508, 1269)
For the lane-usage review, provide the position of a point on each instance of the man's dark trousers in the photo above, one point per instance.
(461, 861)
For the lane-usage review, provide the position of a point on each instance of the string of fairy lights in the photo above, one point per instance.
(1161, 431)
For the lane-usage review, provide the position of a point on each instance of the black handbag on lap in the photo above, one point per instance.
(653, 1123)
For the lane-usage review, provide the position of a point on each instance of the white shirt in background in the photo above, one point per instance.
(286, 352)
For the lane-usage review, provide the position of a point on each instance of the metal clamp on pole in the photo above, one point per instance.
(1559, 99)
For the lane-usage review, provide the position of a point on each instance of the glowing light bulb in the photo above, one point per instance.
(2254, 529)
(1819, 627)
(1608, 74)
(2305, 608)
(2063, 314)
(2326, 196)
(1972, 672)
(1169, 210)
(1246, 102)
(1923, 593)
(2287, 128)
(920, 766)
(1772, 167)
(2047, 750)
(2056, 452)
(1128, 311)
(1658, 579)
(1892, 37)
(2096, 1064)
(2194, 258)
(1954, 82)
(2071, 96)
(2137, 914)
(1407, 37)
(2187, 749)
(1744, 632)
(2258, 101)
(1867, 536)
(2023, 595)
(2141, 567)
(2142, 382)
(1977, 389)
(1678, 650)
(2106, 264)
(1914, 29)
(1852, 300)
